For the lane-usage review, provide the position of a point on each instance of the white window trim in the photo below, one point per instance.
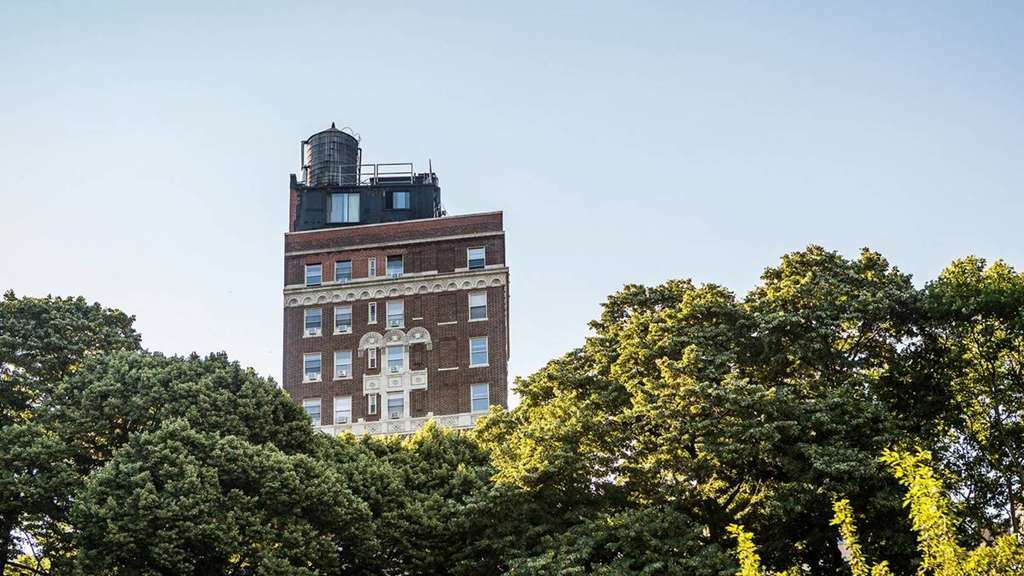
(484, 248)
(350, 362)
(332, 210)
(371, 313)
(337, 400)
(487, 387)
(405, 405)
(371, 404)
(336, 279)
(305, 275)
(371, 358)
(371, 267)
(350, 318)
(405, 358)
(469, 306)
(319, 404)
(320, 374)
(387, 269)
(487, 348)
(319, 329)
(387, 314)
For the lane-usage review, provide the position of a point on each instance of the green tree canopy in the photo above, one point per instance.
(691, 401)
(976, 323)
(42, 341)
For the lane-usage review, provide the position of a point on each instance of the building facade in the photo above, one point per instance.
(394, 312)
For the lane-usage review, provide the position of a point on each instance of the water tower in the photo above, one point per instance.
(331, 158)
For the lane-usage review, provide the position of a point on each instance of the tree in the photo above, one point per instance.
(762, 409)
(976, 319)
(175, 500)
(427, 495)
(933, 522)
(42, 340)
(109, 399)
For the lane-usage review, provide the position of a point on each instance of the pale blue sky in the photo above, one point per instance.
(145, 151)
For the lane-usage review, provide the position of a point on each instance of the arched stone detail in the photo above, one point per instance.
(419, 335)
(370, 340)
(395, 288)
(394, 336)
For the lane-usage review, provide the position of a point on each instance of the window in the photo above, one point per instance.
(371, 404)
(312, 321)
(311, 367)
(396, 358)
(478, 305)
(371, 357)
(396, 314)
(395, 267)
(342, 409)
(342, 270)
(476, 258)
(396, 406)
(342, 364)
(398, 200)
(478, 351)
(344, 208)
(479, 397)
(312, 408)
(371, 266)
(342, 319)
(313, 274)
(371, 316)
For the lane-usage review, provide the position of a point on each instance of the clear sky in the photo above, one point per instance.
(145, 151)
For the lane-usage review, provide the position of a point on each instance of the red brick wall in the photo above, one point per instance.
(351, 236)
(448, 391)
(442, 256)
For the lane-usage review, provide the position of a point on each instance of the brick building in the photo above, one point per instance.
(394, 312)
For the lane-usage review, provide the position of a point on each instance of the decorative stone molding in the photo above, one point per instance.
(395, 337)
(395, 287)
(401, 382)
(404, 426)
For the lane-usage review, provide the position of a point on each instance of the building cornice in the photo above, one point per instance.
(398, 243)
(399, 222)
(396, 287)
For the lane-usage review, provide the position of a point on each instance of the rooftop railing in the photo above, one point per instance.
(365, 174)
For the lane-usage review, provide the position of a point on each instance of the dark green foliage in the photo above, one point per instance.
(761, 410)
(179, 501)
(42, 340)
(687, 411)
(975, 320)
(113, 397)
